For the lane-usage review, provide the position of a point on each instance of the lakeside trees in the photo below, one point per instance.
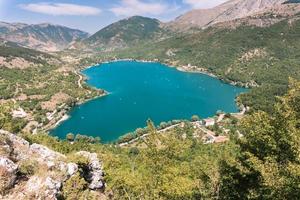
(264, 164)
(269, 164)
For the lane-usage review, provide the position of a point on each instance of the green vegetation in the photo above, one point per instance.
(27, 168)
(125, 33)
(264, 164)
(30, 55)
(266, 56)
(39, 89)
(7, 122)
(268, 167)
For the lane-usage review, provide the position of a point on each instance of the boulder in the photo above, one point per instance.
(72, 169)
(53, 188)
(8, 173)
(95, 176)
(46, 156)
(16, 145)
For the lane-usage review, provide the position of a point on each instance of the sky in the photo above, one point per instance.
(92, 15)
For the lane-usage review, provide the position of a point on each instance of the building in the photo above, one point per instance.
(209, 122)
(20, 113)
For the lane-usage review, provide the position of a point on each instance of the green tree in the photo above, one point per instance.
(195, 118)
(269, 166)
(70, 137)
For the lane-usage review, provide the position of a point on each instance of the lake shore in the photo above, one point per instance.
(83, 78)
(184, 68)
(63, 115)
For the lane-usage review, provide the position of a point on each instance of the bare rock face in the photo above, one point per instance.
(44, 154)
(72, 169)
(95, 175)
(13, 145)
(233, 10)
(8, 173)
(50, 170)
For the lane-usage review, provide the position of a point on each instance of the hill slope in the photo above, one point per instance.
(231, 10)
(125, 33)
(246, 55)
(43, 37)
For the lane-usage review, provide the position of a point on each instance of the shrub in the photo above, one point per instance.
(28, 167)
(195, 118)
(74, 187)
(70, 137)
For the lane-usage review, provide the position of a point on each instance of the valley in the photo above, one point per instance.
(192, 108)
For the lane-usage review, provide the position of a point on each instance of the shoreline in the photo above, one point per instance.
(186, 69)
(183, 68)
(65, 113)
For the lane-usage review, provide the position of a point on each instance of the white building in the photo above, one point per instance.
(209, 122)
(19, 113)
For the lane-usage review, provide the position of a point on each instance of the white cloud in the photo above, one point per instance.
(137, 7)
(61, 9)
(203, 3)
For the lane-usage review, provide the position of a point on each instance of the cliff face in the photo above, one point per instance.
(232, 10)
(32, 171)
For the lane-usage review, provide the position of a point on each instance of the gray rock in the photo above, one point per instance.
(17, 145)
(72, 169)
(53, 188)
(95, 176)
(8, 173)
(44, 154)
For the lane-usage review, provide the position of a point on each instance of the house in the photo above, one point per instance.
(209, 122)
(208, 139)
(20, 113)
(221, 139)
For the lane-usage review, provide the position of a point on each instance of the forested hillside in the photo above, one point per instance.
(38, 83)
(264, 56)
(125, 33)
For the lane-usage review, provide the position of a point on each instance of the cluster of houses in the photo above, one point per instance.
(210, 137)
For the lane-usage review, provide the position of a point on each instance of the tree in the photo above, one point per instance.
(195, 118)
(70, 137)
(269, 165)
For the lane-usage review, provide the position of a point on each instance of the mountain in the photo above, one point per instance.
(14, 56)
(43, 37)
(232, 10)
(125, 33)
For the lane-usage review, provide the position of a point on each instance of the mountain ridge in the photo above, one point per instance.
(43, 37)
(228, 11)
(124, 33)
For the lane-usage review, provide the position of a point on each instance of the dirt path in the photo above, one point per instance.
(80, 79)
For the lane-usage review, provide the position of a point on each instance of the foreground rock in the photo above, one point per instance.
(95, 174)
(36, 172)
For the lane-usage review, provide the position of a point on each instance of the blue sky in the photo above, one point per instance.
(92, 15)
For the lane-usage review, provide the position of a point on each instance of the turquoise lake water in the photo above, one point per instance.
(139, 91)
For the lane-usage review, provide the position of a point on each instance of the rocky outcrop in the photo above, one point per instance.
(8, 173)
(52, 170)
(257, 12)
(95, 175)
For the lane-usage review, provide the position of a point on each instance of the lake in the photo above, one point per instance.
(139, 91)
